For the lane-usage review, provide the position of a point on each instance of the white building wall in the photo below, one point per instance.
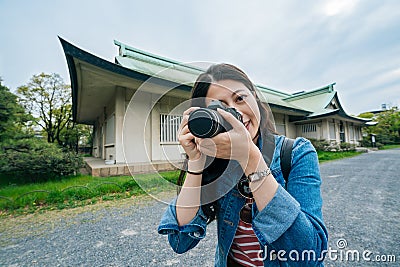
(137, 128)
(290, 128)
(137, 134)
(119, 120)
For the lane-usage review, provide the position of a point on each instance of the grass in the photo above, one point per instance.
(389, 147)
(324, 156)
(79, 191)
(82, 190)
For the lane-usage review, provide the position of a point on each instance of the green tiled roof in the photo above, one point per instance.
(276, 97)
(146, 63)
(314, 103)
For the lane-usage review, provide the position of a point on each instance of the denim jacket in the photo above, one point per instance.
(290, 228)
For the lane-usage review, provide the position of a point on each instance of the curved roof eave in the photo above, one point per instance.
(72, 52)
(294, 110)
(347, 116)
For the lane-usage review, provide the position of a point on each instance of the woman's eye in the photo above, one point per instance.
(240, 98)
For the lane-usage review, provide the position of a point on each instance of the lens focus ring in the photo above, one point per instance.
(204, 123)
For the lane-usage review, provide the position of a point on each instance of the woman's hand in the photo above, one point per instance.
(235, 144)
(187, 139)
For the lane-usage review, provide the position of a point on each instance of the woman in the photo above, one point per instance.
(265, 225)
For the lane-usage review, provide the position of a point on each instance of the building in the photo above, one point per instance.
(135, 105)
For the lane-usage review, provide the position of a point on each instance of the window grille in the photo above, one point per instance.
(169, 125)
(309, 128)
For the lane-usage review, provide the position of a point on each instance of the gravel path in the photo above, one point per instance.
(361, 209)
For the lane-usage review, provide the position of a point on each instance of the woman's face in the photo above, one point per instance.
(235, 94)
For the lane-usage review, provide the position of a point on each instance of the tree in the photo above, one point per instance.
(387, 129)
(48, 98)
(366, 115)
(12, 115)
(23, 157)
(76, 135)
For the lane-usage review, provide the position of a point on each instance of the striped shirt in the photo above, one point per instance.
(245, 247)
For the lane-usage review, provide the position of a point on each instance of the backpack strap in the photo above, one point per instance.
(286, 158)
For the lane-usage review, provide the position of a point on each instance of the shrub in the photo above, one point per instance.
(333, 147)
(366, 142)
(379, 145)
(35, 160)
(347, 146)
(386, 139)
(320, 145)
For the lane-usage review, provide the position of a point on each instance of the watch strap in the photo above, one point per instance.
(258, 175)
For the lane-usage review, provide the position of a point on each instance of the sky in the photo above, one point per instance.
(286, 45)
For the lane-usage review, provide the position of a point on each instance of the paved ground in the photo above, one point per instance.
(361, 210)
(362, 206)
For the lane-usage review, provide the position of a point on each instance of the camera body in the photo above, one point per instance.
(207, 122)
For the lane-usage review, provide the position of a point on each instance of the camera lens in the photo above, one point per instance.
(204, 123)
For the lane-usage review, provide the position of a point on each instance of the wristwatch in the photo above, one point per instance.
(256, 176)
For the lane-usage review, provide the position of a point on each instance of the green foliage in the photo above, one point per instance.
(384, 147)
(48, 98)
(35, 160)
(320, 145)
(326, 155)
(75, 191)
(12, 115)
(379, 145)
(387, 129)
(78, 135)
(366, 142)
(347, 146)
(366, 115)
(24, 158)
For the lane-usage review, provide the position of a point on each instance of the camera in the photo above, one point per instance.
(207, 122)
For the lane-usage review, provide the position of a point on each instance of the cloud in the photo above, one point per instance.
(337, 7)
(387, 78)
(286, 45)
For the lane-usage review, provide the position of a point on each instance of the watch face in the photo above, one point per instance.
(244, 188)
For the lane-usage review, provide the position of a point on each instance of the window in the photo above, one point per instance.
(341, 132)
(110, 130)
(169, 125)
(332, 131)
(309, 128)
(351, 133)
(357, 130)
(280, 128)
(280, 125)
